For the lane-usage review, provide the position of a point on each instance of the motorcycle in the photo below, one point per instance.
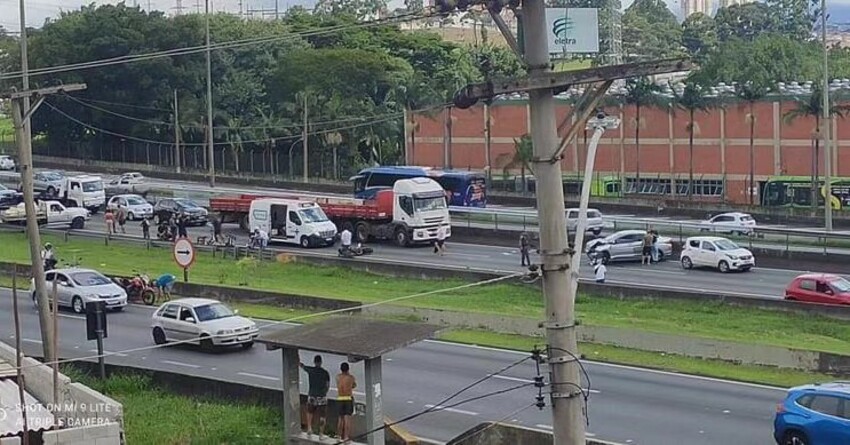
(138, 288)
(355, 251)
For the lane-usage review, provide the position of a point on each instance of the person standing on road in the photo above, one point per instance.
(655, 251)
(345, 384)
(524, 247)
(599, 271)
(122, 218)
(181, 226)
(146, 228)
(317, 396)
(216, 226)
(109, 218)
(440, 244)
(48, 257)
(646, 254)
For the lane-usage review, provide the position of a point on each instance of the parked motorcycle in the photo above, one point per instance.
(138, 288)
(355, 251)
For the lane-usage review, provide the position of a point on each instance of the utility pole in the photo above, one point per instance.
(487, 144)
(827, 147)
(21, 113)
(176, 134)
(210, 150)
(567, 410)
(304, 142)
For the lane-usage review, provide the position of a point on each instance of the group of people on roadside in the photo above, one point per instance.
(319, 380)
(599, 268)
(649, 252)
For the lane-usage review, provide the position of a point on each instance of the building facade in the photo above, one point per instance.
(721, 150)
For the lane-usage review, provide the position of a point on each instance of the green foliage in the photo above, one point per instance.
(699, 36)
(650, 31)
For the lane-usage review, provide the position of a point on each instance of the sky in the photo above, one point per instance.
(39, 10)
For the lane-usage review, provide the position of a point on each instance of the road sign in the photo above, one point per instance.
(184, 253)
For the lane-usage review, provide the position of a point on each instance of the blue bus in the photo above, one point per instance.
(463, 188)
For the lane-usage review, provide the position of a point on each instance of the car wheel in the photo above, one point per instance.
(402, 239)
(795, 438)
(77, 305)
(159, 336)
(206, 343)
(723, 266)
(687, 263)
(131, 216)
(78, 223)
(660, 256)
(248, 345)
(305, 242)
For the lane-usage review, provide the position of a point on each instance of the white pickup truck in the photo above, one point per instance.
(49, 212)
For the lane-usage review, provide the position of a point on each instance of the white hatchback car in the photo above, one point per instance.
(716, 252)
(137, 207)
(209, 323)
(734, 222)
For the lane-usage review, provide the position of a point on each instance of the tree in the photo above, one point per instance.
(795, 18)
(772, 56)
(650, 31)
(812, 106)
(640, 92)
(359, 9)
(693, 98)
(745, 21)
(522, 156)
(698, 35)
(751, 91)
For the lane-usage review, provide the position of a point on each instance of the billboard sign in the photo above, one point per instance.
(572, 30)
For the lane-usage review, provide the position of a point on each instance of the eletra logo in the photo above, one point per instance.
(561, 28)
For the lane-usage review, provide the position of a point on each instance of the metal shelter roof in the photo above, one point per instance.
(357, 338)
(11, 416)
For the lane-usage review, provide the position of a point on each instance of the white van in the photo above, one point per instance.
(292, 221)
(83, 191)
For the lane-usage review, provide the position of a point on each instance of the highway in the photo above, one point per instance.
(761, 282)
(627, 405)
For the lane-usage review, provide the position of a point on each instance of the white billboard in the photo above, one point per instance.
(572, 30)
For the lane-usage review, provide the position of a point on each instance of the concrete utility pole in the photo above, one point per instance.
(827, 134)
(304, 142)
(211, 155)
(567, 410)
(176, 134)
(21, 113)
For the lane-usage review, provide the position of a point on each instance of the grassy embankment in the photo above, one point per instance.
(156, 417)
(705, 320)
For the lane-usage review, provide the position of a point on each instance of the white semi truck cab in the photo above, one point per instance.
(419, 206)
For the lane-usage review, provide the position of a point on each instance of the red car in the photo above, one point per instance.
(819, 288)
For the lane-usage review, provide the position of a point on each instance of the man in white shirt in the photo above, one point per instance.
(345, 240)
(599, 271)
(440, 245)
(264, 238)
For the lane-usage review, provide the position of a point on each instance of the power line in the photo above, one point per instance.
(199, 144)
(289, 320)
(202, 48)
(247, 127)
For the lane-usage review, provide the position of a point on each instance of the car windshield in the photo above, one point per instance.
(185, 203)
(840, 284)
(725, 244)
(426, 204)
(89, 279)
(93, 186)
(313, 215)
(135, 201)
(213, 311)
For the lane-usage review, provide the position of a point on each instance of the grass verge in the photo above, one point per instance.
(707, 320)
(153, 416)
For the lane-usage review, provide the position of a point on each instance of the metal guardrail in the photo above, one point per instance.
(784, 239)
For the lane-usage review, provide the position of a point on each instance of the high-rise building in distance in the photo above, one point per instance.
(693, 6)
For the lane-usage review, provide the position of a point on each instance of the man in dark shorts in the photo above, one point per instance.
(317, 395)
(345, 384)
(646, 254)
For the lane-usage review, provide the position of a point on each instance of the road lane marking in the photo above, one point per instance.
(105, 352)
(258, 376)
(452, 410)
(29, 340)
(188, 365)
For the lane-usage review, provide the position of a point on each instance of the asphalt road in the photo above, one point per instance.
(627, 405)
(760, 282)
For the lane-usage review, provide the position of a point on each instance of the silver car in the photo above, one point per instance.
(208, 323)
(76, 287)
(626, 245)
(48, 181)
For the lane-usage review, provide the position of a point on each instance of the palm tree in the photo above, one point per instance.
(751, 92)
(692, 99)
(523, 153)
(812, 106)
(233, 135)
(641, 92)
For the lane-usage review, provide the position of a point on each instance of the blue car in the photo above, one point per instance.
(817, 414)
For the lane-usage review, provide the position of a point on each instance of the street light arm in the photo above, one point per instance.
(581, 226)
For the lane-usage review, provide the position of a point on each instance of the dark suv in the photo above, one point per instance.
(817, 414)
(165, 208)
